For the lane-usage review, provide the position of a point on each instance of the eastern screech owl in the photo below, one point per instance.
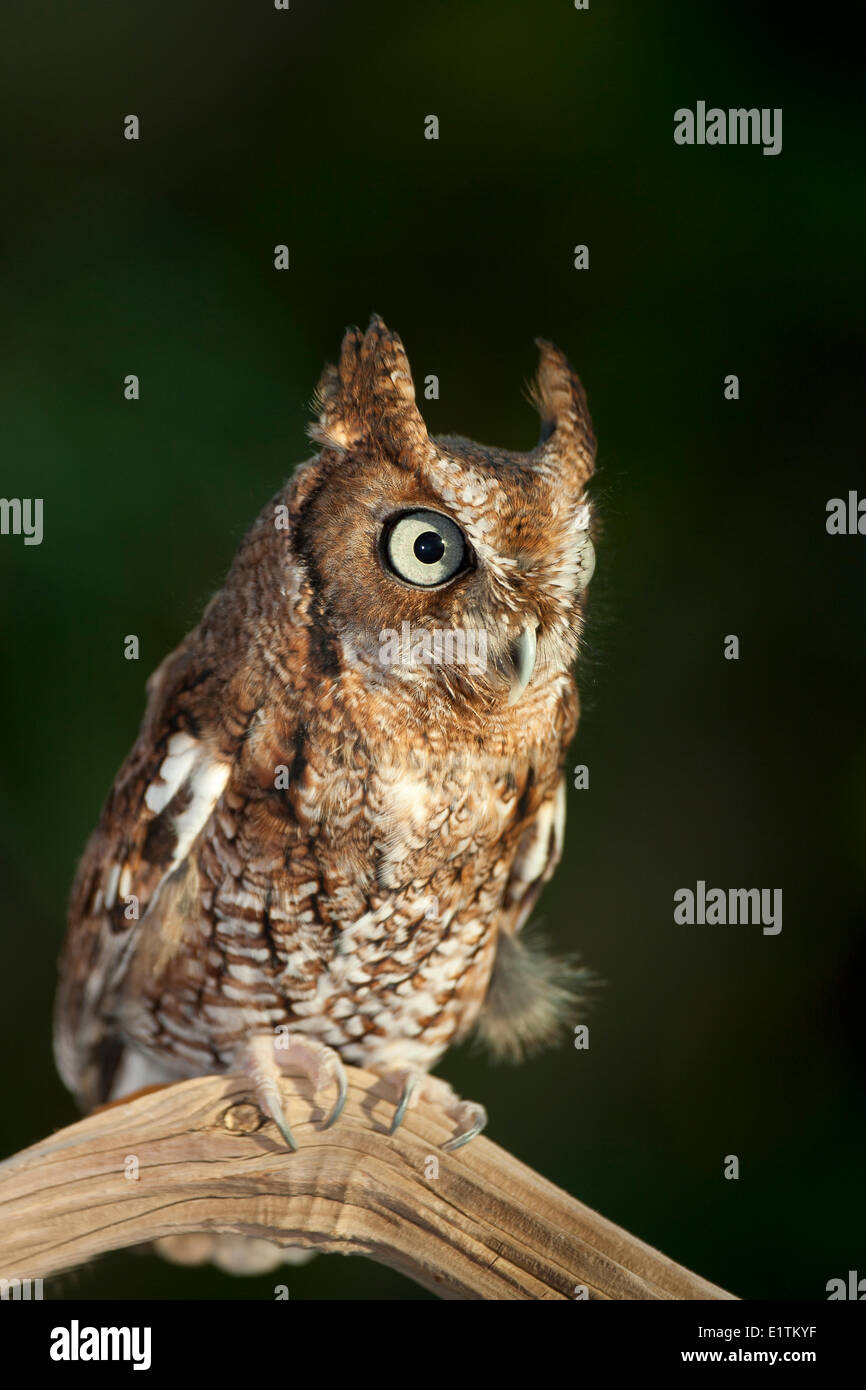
(324, 843)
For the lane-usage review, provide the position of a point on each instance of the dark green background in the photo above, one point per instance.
(259, 127)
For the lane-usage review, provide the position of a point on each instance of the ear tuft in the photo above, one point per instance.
(370, 394)
(567, 439)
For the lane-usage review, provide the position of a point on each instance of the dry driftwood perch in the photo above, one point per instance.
(486, 1227)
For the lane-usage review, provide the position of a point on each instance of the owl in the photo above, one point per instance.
(347, 792)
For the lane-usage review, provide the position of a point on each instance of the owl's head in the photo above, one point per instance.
(439, 564)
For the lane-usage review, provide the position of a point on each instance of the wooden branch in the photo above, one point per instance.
(472, 1224)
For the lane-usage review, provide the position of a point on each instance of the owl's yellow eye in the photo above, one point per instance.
(425, 548)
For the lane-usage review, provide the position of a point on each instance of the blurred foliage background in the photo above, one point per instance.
(156, 257)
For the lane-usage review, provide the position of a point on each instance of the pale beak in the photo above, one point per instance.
(522, 656)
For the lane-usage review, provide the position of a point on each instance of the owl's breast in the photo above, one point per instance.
(408, 975)
(360, 903)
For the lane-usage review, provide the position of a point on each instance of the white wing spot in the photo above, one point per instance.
(207, 783)
(111, 886)
(183, 752)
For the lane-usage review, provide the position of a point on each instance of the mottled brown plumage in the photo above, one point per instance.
(310, 837)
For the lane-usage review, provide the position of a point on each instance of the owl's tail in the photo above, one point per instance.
(532, 998)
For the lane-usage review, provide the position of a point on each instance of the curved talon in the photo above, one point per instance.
(342, 1091)
(258, 1059)
(403, 1105)
(460, 1139)
(282, 1125)
(472, 1115)
(469, 1117)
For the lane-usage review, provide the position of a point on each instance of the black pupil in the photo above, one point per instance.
(429, 547)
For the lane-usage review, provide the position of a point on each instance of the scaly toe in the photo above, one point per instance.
(414, 1085)
(256, 1059)
(263, 1058)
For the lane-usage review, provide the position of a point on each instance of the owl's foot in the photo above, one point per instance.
(230, 1253)
(413, 1085)
(263, 1057)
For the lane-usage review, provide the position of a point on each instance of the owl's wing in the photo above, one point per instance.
(530, 992)
(135, 867)
(539, 850)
